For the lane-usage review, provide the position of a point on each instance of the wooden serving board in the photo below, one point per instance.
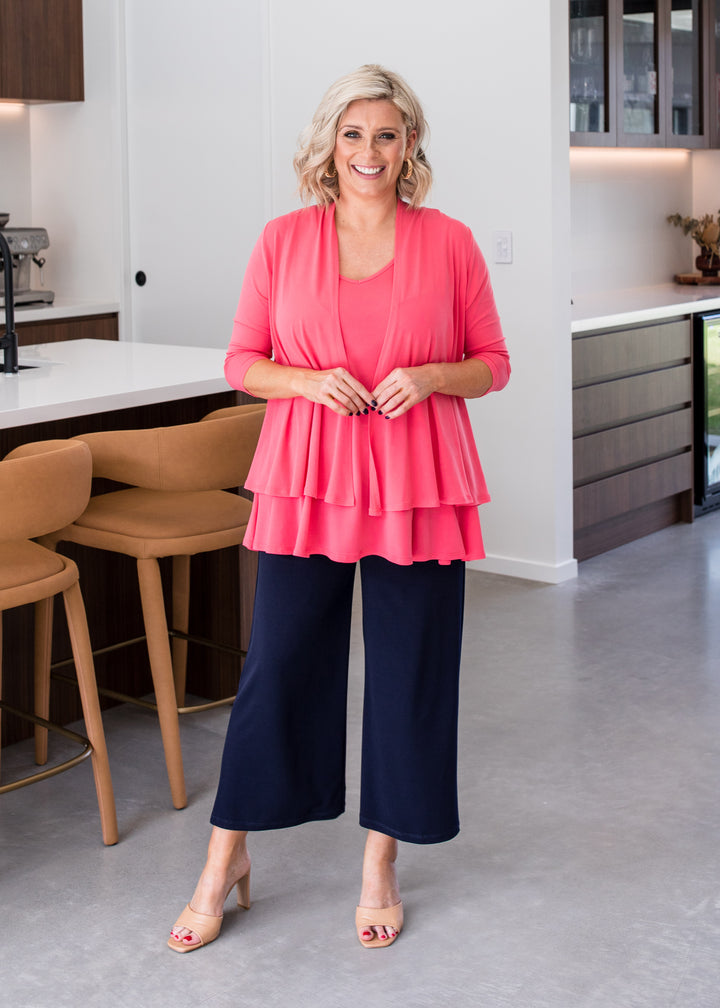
(697, 278)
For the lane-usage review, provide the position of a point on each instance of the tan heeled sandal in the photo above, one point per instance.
(368, 917)
(206, 926)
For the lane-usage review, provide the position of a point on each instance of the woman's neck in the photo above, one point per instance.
(365, 217)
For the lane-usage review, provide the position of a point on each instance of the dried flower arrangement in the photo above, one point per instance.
(705, 231)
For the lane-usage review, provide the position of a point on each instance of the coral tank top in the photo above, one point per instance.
(303, 526)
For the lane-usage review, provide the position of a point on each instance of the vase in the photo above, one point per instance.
(708, 263)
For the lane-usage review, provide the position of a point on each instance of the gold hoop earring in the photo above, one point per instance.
(330, 174)
(409, 163)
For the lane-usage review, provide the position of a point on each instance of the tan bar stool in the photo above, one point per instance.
(177, 505)
(43, 486)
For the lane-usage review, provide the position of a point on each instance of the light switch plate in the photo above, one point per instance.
(503, 245)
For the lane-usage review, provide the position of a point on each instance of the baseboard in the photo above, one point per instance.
(526, 569)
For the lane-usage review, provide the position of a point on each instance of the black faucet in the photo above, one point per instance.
(8, 342)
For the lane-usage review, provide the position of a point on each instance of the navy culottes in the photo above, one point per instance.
(284, 757)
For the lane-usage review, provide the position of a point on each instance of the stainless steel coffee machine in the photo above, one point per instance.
(25, 244)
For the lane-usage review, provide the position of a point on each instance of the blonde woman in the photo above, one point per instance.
(365, 321)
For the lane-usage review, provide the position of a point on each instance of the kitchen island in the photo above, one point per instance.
(81, 386)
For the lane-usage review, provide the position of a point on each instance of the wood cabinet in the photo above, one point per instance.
(632, 433)
(58, 330)
(41, 50)
(644, 73)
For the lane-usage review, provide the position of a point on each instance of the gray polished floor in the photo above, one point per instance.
(585, 876)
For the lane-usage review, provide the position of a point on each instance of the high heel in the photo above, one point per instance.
(368, 917)
(206, 926)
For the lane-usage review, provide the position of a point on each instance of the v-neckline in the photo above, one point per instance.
(396, 262)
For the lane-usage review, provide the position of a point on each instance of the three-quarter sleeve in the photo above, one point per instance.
(251, 339)
(484, 338)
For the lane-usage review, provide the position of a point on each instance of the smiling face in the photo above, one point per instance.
(370, 149)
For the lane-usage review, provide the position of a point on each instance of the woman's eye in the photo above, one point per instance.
(351, 135)
(388, 136)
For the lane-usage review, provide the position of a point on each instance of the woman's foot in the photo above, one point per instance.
(227, 862)
(380, 892)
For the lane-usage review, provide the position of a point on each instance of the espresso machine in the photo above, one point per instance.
(25, 244)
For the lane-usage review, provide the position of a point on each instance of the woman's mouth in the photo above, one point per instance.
(368, 171)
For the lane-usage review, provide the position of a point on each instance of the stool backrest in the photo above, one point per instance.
(44, 486)
(209, 455)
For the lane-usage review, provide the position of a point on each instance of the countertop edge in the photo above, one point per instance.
(637, 305)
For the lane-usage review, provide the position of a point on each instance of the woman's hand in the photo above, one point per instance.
(335, 388)
(404, 388)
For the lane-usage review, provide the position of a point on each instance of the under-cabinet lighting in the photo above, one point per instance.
(626, 156)
(10, 109)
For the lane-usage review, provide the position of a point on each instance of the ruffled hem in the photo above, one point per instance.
(424, 459)
(307, 526)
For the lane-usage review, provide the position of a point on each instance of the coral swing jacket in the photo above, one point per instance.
(442, 309)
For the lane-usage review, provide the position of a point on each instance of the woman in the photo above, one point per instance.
(365, 322)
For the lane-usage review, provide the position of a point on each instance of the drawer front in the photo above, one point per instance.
(598, 407)
(609, 452)
(616, 495)
(613, 354)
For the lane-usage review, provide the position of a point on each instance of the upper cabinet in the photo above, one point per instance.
(644, 73)
(41, 50)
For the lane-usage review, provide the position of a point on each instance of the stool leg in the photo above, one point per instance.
(158, 645)
(43, 649)
(82, 653)
(181, 622)
(1, 713)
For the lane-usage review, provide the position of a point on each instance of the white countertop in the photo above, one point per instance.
(641, 304)
(61, 308)
(79, 377)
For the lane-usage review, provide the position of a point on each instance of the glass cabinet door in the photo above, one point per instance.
(589, 77)
(686, 83)
(640, 120)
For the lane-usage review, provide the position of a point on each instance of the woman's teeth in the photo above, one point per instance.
(367, 171)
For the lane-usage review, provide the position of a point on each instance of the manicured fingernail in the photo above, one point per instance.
(380, 412)
(365, 411)
(373, 403)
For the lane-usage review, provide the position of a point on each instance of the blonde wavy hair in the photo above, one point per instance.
(317, 141)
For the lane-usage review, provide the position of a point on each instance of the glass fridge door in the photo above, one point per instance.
(707, 411)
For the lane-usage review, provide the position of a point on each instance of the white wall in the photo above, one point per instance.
(77, 169)
(15, 197)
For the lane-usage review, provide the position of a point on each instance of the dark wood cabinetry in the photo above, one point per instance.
(632, 433)
(41, 50)
(644, 73)
(57, 330)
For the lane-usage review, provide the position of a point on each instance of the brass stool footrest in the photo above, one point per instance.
(148, 704)
(58, 768)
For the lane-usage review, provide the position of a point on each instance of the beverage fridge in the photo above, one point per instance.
(706, 394)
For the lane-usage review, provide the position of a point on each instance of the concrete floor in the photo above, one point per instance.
(585, 874)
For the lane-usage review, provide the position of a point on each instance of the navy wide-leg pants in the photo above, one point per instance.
(284, 757)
